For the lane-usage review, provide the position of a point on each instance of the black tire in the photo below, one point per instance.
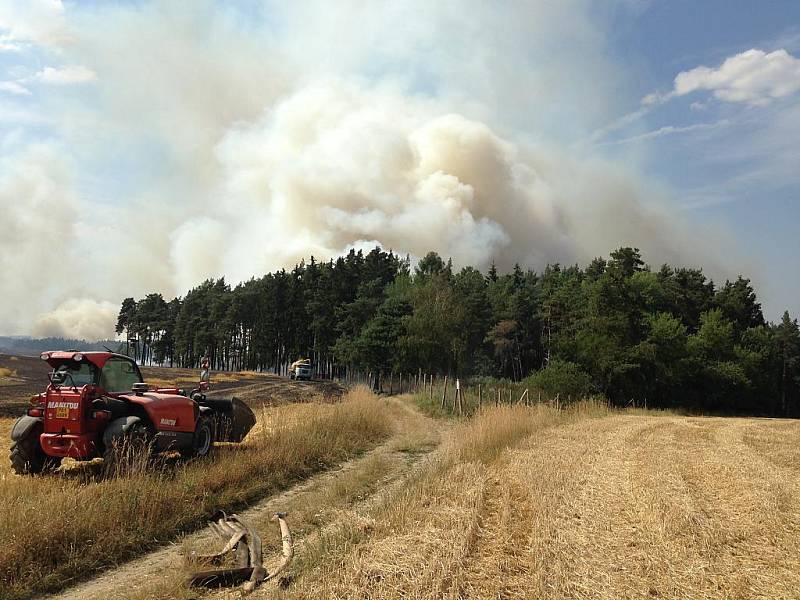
(203, 440)
(133, 448)
(28, 458)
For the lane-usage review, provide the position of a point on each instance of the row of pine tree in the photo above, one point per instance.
(669, 337)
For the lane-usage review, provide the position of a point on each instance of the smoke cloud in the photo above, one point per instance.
(217, 143)
(80, 318)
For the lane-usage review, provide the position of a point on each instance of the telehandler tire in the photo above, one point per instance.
(27, 456)
(203, 440)
(124, 448)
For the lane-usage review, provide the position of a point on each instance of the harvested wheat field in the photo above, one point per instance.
(530, 503)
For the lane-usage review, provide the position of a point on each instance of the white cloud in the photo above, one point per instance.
(69, 75)
(64, 75)
(12, 87)
(754, 77)
(9, 44)
(37, 21)
(651, 99)
(670, 130)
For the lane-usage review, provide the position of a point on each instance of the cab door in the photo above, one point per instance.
(119, 374)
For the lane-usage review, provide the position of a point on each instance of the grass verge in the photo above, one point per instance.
(59, 528)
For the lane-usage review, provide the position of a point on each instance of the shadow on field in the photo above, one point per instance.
(163, 466)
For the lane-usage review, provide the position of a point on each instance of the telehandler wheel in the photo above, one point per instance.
(130, 449)
(28, 458)
(203, 439)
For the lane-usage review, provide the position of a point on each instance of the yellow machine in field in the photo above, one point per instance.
(301, 369)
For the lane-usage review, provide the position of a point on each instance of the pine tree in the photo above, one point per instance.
(787, 338)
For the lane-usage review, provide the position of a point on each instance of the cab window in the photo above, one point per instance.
(119, 375)
(75, 374)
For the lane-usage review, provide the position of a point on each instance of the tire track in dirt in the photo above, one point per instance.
(527, 495)
(632, 507)
(761, 513)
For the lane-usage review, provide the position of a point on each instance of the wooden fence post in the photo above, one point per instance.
(444, 391)
(480, 396)
(524, 397)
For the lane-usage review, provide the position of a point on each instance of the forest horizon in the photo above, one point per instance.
(669, 337)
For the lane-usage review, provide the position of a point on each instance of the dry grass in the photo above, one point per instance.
(534, 503)
(8, 377)
(54, 529)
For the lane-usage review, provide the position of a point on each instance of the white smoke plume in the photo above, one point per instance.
(79, 318)
(216, 146)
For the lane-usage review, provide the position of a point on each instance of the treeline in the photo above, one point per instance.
(668, 337)
(27, 346)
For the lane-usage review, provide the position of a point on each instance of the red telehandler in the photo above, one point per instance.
(97, 403)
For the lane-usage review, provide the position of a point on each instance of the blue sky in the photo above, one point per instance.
(162, 142)
(714, 183)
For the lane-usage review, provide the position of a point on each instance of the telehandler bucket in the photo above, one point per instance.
(235, 418)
